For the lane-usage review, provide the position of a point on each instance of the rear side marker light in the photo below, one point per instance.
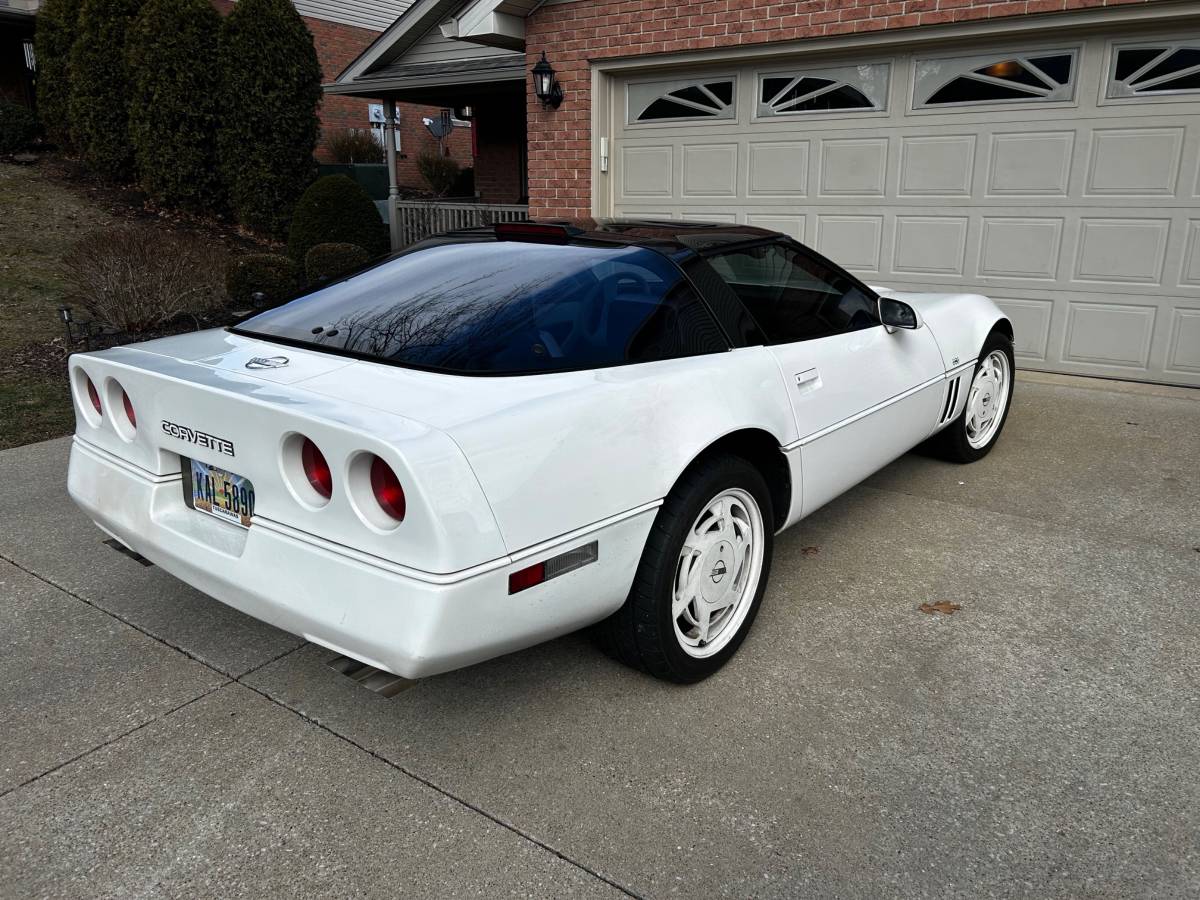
(94, 396)
(316, 469)
(538, 573)
(387, 489)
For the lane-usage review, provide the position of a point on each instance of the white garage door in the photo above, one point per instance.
(1063, 180)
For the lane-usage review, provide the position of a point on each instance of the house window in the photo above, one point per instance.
(1046, 76)
(1163, 68)
(823, 90)
(674, 101)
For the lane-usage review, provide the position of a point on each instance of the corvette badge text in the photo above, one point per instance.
(199, 438)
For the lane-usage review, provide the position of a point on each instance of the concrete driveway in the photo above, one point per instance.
(1042, 741)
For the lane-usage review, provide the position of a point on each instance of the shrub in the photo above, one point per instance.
(271, 86)
(174, 83)
(335, 209)
(329, 262)
(138, 277)
(57, 28)
(269, 274)
(99, 105)
(438, 171)
(17, 127)
(355, 145)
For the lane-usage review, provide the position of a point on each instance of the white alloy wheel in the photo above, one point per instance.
(987, 400)
(717, 575)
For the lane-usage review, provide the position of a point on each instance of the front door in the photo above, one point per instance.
(861, 396)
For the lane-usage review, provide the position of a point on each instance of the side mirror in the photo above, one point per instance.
(897, 314)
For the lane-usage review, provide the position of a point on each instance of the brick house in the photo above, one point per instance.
(1044, 152)
(341, 30)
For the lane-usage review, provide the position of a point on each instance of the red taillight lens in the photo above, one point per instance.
(526, 578)
(129, 413)
(316, 470)
(386, 487)
(94, 396)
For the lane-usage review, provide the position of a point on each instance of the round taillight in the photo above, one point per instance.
(129, 413)
(94, 396)
(386, 487)
(316, 469)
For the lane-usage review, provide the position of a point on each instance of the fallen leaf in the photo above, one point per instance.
(809, 551)
(942, 606)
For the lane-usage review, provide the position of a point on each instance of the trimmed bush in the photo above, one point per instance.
(57, 28)
(335, 209)
(17, 127)
(440, 172)
(174, 85)
(269, 274)
(138, 277)
(271, 87)
(329, 262)
(355, 145)
(99, 104)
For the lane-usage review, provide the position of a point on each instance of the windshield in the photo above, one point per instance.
(501, 307)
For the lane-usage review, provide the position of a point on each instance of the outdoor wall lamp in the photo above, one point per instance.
(547, 90)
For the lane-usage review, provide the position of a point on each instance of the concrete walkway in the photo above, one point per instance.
(1043, 741)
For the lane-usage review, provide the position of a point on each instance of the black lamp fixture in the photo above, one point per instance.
(547, 90)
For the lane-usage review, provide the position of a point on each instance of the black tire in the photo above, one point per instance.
(641, 633)
(951, 443)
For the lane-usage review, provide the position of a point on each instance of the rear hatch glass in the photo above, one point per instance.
(501, 307)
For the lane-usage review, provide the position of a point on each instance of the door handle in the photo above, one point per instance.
(808, 380)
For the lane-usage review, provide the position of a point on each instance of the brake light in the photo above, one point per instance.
(316, 469)
(129, 413)
(533, 232)
(389, 493)
(94, 396)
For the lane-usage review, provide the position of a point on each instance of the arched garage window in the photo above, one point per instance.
(823, 90)
(681, 100)
(1160, 68)
(1043, 76)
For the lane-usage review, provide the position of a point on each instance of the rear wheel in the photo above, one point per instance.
(701, 577)
(973, 434)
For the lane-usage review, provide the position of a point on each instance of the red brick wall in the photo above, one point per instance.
(337, 46)
(571, 33)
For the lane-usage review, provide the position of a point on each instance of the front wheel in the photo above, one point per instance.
(973, 434)
(701, 577)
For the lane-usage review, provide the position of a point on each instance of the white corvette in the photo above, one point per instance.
(502, 435)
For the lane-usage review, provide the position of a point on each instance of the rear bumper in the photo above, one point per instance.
(407, 622)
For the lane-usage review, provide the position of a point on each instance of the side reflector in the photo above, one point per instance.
(551, 568)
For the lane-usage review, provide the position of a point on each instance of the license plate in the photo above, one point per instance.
(211, 490)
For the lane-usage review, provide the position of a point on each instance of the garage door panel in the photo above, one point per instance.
(937, 166)
(930, 245)
(789, 224)
(1109, 334)
(853, 167)
(710, 170)
(1122, 250)
(1134, 162)
(1031, 321)
(1020, 247)
(1079, 218)
(778, 168)
(1183, 354)
(1029, 163)
(854, 241)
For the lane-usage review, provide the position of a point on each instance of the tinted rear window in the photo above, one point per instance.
(499, 307)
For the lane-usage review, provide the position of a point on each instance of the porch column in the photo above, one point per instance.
(389, 137)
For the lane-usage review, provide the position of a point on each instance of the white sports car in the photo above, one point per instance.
(502, 435)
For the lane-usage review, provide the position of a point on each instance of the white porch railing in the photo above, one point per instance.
(415, 220)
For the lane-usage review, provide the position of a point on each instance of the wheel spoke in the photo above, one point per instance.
(703, 615)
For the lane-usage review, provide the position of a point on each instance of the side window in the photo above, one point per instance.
(793, 296)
